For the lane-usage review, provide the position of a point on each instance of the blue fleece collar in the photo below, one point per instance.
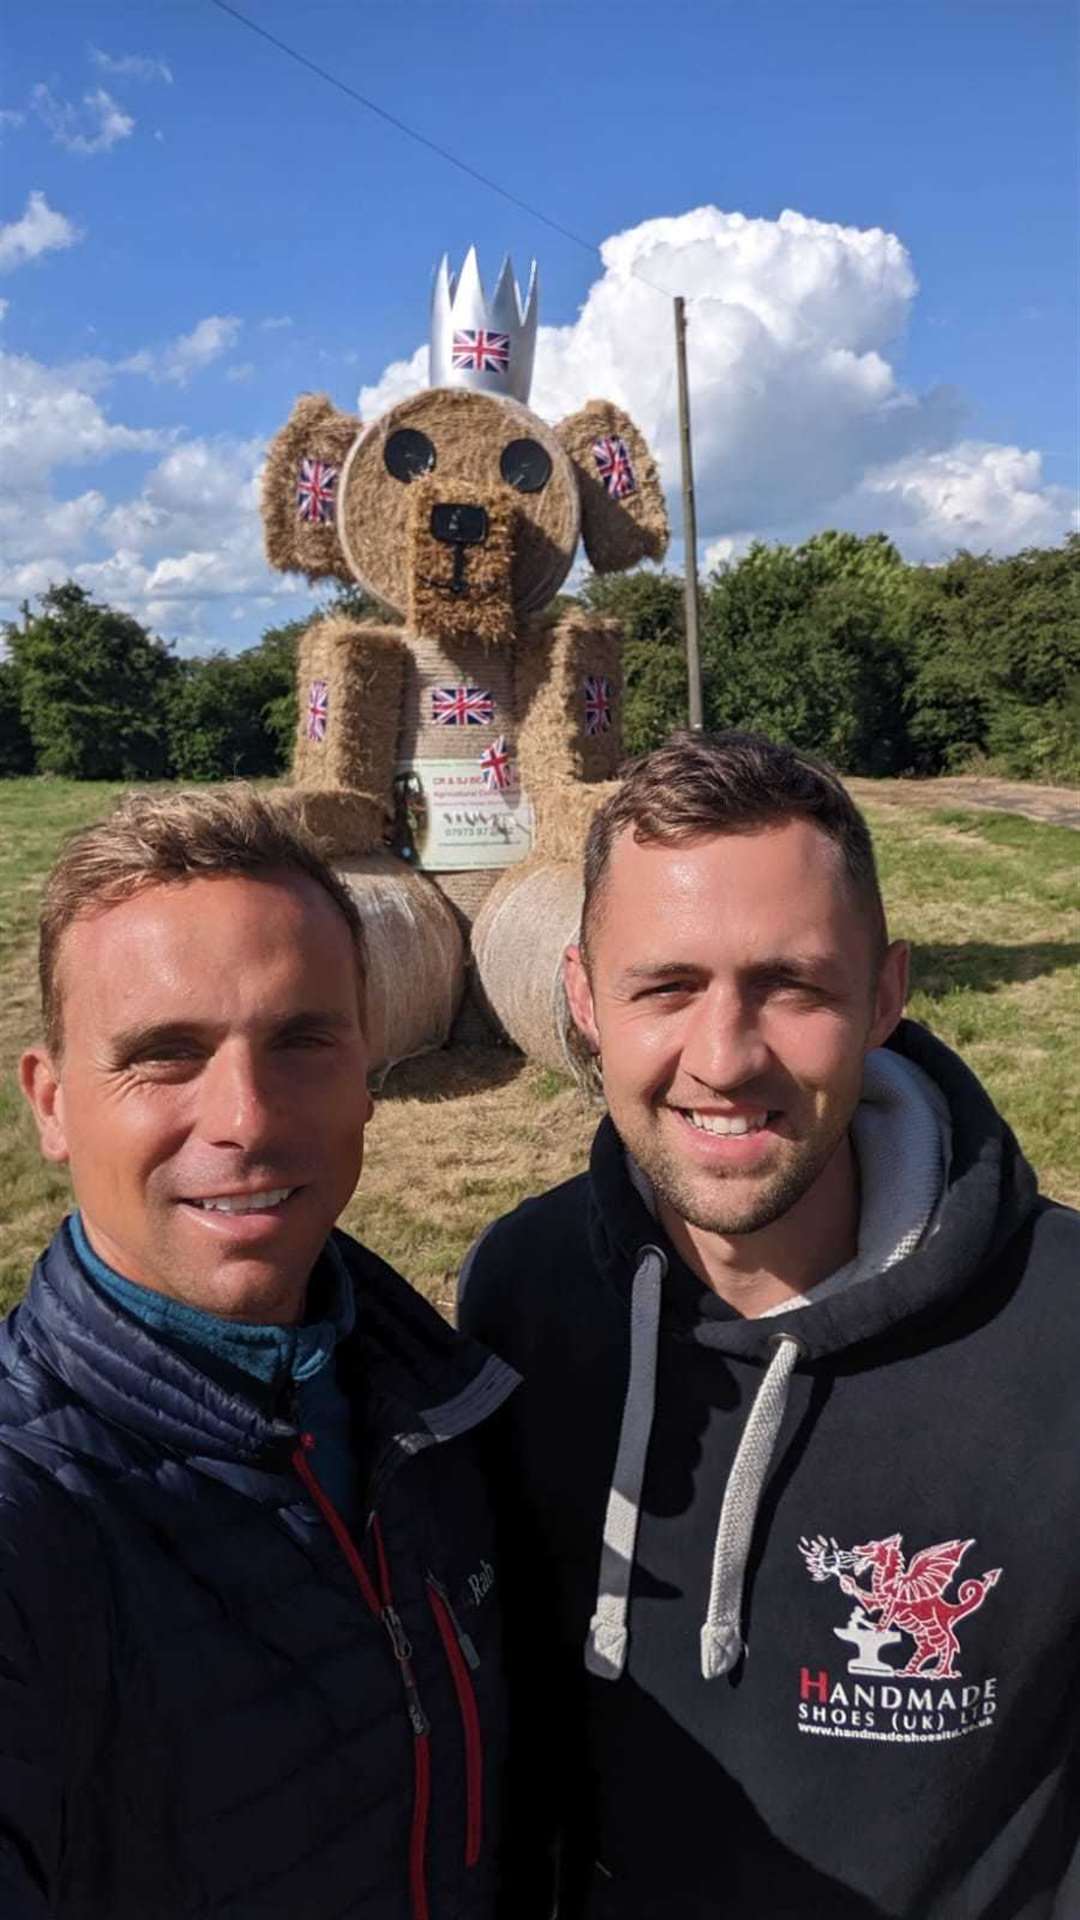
(268, 1353)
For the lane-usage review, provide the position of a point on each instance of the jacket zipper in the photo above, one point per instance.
(381, 1604)
(462, 1655)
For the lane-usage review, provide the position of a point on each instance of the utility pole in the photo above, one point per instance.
(693, 654)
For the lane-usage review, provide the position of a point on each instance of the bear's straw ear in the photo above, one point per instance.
(623, 518)
(300, 490)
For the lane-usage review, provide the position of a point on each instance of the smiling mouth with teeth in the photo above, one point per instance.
(731, 1125)
(245, 1202)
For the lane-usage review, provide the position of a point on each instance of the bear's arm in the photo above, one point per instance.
(349, 689)
(568, 696)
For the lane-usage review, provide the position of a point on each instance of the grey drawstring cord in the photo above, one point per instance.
(721, 1636)
(605, 1648)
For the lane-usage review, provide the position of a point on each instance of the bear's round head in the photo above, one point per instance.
(459, 509)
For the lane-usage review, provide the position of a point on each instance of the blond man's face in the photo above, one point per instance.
(211, 1097)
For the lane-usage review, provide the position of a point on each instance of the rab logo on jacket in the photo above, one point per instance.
(900, 1607)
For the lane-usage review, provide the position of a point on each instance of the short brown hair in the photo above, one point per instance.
(699, 784)
(154, 839)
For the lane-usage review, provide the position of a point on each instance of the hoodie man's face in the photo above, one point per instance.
(732, 991)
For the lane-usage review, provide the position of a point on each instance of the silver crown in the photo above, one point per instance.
(474, 343)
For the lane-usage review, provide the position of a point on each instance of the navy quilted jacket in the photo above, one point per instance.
(214, 1703)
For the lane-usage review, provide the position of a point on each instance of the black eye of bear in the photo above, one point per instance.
(526, 465)
(408, 454)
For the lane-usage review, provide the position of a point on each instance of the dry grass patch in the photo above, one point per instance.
(457, 1139)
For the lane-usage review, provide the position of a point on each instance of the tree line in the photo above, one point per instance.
(837, 645)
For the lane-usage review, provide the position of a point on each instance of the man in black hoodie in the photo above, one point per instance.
(790, 1489)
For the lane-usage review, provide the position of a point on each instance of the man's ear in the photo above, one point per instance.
(40, 1082)
(891, 992)
(623, 518)
(300, 490)
(579, 997)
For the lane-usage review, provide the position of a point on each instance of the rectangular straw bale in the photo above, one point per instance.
(564, 816)
(431, 665)
(553, 664)
(343, 820)
(360, 669)
(315, 430)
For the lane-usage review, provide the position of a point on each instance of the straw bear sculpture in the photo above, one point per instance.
(452, 763)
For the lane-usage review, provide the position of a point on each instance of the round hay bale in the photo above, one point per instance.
(415, 958)
(468, 433)
(521, 933)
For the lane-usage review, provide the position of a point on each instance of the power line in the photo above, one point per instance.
(422, 140)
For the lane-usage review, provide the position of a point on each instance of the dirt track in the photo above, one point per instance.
(1058, 806)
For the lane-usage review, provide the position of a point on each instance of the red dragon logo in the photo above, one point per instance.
(908, 1597)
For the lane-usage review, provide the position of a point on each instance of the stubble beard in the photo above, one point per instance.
(710, 1201)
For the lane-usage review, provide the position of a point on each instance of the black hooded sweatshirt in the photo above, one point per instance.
(892, 1722)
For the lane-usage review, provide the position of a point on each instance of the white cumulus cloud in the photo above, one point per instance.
(94, 127)
(799, 418)
(131, 66)
(965, 490)
(190, 352)
(51, 417)
(180, 548)
(39, 229)
(198, 495)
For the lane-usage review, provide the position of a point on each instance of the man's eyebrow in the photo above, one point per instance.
(153, 1033)
(316, 1017)
(162, 1033)
(804, 965)
(660, 970)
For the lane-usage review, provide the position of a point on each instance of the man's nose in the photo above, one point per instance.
(236, 1106)
(723, 1045)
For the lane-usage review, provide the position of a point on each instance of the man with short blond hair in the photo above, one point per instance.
(246, 1671)
(788, 1494)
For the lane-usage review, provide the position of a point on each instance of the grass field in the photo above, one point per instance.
(991, 903)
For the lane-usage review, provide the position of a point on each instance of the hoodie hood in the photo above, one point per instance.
(990, 1190)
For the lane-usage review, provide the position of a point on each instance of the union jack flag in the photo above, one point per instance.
(462, 707)
(318, 710)
(485, 352)
(597, 703)
(613, 464)
(315, 490)
(495, 761)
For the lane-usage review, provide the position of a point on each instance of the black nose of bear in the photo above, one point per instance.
(459, 526)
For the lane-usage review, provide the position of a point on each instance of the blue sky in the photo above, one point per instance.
(194, 229)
